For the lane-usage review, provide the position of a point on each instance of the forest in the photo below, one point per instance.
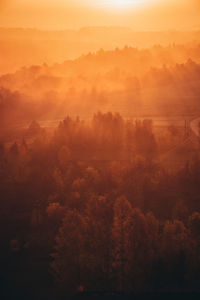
(99, 163)
(95, 204)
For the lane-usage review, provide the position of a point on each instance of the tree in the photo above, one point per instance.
(194, 225)
(122, 211)
(172, 130)
(34, 128)
(180, 211)
(194, 254)
(98, 242)
(173, 250)
(68, 258)
(64, 156)
(139, 240)
(14, 149)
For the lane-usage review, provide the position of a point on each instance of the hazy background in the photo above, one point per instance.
(60, 14)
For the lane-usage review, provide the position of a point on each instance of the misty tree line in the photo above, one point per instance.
(125, 79)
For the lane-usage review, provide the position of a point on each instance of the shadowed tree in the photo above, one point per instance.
(98, 242)
(68, 257)
(174, 242)
(140, 243)
(122, 211)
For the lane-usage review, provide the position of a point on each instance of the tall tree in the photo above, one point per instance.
(68, 257)
(122, 211)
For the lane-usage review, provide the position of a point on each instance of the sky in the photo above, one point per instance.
(137, 14)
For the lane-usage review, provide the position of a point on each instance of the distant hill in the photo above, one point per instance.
(25, 47)
(135, 82)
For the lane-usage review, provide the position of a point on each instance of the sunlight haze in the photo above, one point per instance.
(137, 14)
(100, 149)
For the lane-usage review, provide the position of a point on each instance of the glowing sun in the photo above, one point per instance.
(121, 3)
(117, 5)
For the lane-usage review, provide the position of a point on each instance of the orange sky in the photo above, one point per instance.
(137, 14)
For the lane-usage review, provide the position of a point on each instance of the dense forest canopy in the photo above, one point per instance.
(97, 204)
